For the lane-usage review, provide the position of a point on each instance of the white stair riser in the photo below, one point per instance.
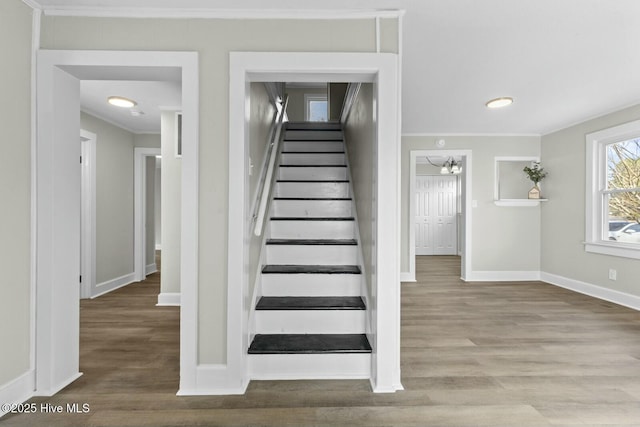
(312, 189)
(313, 146)
(310, 366)
(320, 135)
(310, 321)
(312, 229)
(312, 254)
(311, 285)
(320, 173)
(312, 159)
(311, 208)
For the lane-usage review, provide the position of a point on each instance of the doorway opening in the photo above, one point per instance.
(58, 195)
(440, 218)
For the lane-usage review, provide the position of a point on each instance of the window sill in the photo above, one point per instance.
(519, 202)
(613, 249)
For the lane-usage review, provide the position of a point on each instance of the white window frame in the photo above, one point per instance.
(308, 98)
(596, 210)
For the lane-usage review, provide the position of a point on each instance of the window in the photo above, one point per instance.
(613, 191)
(316, 109)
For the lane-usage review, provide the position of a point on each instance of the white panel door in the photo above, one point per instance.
(436, 218)
(423, 220)
(445, 230)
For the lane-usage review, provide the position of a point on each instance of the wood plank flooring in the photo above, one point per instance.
(473, 354)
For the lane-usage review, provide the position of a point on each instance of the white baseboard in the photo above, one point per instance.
(150, 269)
(17, 390)
(611, 295)
(113, 284)
(407, 277)
(502, 276)
(158, 247)
(215, 380)
(169, 299)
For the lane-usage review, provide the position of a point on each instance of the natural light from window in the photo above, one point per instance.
(613, 191)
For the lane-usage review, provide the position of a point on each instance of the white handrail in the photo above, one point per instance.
(268, 180)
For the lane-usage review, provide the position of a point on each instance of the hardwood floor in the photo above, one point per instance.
(473, 354)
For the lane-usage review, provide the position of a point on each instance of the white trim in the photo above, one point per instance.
(35, 46)
(503, 276)
(57, 387)
(88, 217)
(52, 357)
(177, 149)
(215, 380)
(159, 247)
(519, 202)
(408, 277)
(613, 249)
(611, 295)
(33, 4)
(150, 269)
(113, 284)
(467, 253)
(377, 19)
(420, 134)
(381, 69)
(140, 155)
(211, 13)
(17, 390)
(168, 299)
(108, 120)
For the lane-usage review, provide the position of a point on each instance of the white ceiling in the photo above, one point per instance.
(563, 61)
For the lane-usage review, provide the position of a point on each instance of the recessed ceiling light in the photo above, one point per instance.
(499, 102)
(119, 101)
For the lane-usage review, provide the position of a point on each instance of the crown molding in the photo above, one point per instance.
(209, 13)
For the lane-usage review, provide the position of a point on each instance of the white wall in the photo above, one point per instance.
(503, 238)
(213, 40)
(261, 118)
(361, 142)
(114, 199)
(15, 190)
(563, 216)
(171, 177)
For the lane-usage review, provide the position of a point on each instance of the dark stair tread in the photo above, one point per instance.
(312, 218)
(310, 303)
(333, 181)
(309, 344)
(312, 198)
(310, 269)
(313, 242)
(313, 152)
(313, 166)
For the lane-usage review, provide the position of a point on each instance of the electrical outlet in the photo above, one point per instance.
(613, 274)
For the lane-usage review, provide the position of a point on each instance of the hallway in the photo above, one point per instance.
(483, 354)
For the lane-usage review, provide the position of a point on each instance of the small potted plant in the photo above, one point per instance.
(535, 174)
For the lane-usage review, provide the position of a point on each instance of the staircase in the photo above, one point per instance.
(310, 318)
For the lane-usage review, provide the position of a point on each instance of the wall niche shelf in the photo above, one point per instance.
(519, 202)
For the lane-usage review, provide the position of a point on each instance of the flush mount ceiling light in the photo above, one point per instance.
(499, 102)
(120, 101)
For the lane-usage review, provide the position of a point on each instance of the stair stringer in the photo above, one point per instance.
(266, 231)
(364, 288)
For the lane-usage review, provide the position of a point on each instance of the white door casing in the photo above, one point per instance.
(88, 214)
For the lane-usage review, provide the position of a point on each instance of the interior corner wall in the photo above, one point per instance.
(15, 190)
(503, 238)
(213, 40)
(114, 199)
(563, 216)
(171, 197)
